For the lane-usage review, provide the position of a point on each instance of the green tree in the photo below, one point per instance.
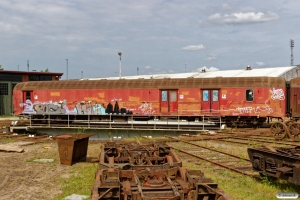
(46, 70)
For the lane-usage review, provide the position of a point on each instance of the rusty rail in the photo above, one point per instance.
(258, 140)
(215, 163)
(197, 145)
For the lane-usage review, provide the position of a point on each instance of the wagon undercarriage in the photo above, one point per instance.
(153, 171)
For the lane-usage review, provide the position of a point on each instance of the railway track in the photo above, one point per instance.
(245, 138)
(238, 140)
(236, 163)
(218, 158)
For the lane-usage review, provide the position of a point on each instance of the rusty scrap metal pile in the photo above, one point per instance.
(279, 162)
(151, 171)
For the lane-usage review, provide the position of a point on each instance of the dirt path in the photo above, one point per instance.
(22, 178)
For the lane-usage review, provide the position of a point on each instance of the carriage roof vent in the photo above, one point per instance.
(203, 70)
(248, 67)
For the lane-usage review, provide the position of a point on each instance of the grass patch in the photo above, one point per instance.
(243, 187)
(47, 151)
(81, 180)
(236, 185)
(253, 144)
(7, 116)
(8, 140)
(32, 159)
(55, 161)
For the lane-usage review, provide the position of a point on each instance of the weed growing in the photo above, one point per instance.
(8, 140)
(80, 182)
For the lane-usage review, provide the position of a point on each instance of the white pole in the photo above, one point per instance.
(67, 69)
(120, 73)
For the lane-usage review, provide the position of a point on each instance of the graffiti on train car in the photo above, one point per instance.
(256, 110)
(277, 94)
(245, 109)
(251, 109)
(88, 107)
(83, 107)
(146, 108)
(265, 108)
(45, 107)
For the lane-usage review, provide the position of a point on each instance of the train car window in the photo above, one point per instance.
(164, 95)
(205, 95)
(215, 95)
(249, 95)
(173, 96)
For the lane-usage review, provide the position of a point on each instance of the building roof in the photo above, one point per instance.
(30, 72)
(288, 73)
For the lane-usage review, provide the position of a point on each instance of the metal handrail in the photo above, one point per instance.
(110, 123)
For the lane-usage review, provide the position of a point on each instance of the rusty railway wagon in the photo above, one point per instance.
(237, 101)
(132, 171)
(278, 162)
(134, 155)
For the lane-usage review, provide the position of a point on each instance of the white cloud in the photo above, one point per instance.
(240, 18)
(211, 69)
(194, 47)
(211, 57)
(154, 34)
(260, 64)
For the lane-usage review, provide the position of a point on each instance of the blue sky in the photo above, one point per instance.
(156, 36)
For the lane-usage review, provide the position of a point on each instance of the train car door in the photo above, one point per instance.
(210, 101)
(168, 101)
(295, 106)
(27, 98)
(27, 95)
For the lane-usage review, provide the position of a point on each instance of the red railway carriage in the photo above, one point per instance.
(239, 101)
(294, 96)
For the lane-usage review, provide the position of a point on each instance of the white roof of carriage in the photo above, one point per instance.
(288, 73)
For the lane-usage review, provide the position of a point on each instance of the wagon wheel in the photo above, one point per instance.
(233, 124)
(289, 122)
(245, 123)
(294, 131)
(278, 130)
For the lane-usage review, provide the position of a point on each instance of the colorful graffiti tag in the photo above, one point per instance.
(45, 108)
(62, 108)
(146, 108)
(277, 94)
(83, 107)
